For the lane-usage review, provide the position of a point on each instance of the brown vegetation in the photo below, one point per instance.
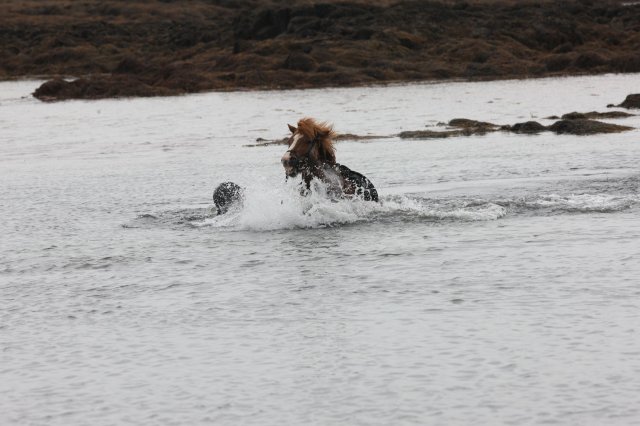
(161, 47)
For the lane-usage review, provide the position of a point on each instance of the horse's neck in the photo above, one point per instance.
(327, 173)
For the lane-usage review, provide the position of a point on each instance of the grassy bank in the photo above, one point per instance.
(153, 47)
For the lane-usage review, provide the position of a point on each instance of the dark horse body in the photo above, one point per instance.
(311, 154)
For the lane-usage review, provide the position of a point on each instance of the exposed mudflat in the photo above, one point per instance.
(142, 48)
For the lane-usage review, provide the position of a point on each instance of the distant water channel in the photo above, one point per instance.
(497, 282)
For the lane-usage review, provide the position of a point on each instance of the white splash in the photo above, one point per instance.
(270, 207)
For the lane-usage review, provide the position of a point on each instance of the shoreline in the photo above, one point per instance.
(394, 83)
(142, 49)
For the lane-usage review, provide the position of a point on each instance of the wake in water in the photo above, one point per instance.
(268, 207)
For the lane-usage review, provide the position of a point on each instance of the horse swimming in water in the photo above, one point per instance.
(311, 154)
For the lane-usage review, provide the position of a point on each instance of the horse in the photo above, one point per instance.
(311, 155)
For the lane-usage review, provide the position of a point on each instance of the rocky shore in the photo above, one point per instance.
(97, 49)
(573, 123)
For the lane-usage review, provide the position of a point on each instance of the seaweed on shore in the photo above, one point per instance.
(466, 127)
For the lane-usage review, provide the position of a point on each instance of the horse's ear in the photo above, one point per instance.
(293, 129)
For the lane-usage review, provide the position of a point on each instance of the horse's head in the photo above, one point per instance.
(310, 146)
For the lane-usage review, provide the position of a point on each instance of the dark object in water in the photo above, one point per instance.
(594, 115)
(528, 127)
(471, 127)
(226, 195)
(585, 127)
(631, 101)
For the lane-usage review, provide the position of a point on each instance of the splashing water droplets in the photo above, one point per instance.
(271, 207)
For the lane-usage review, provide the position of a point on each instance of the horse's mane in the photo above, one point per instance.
(323, 133)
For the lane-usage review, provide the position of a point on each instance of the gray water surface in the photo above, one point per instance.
(496, 283)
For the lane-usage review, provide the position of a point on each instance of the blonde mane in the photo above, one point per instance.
(323, 134)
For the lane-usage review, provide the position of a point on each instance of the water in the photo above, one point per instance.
(496, 282)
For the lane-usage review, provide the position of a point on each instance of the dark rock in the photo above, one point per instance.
(631, 101)
(575, 126)
(352, 137)
(429, 134)
(98, 88)
(463, 127)
(585, 127)
(574, 116)
(595, 114)
(268, 142)
(50, 89)
(467, 124)
(528, 127)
